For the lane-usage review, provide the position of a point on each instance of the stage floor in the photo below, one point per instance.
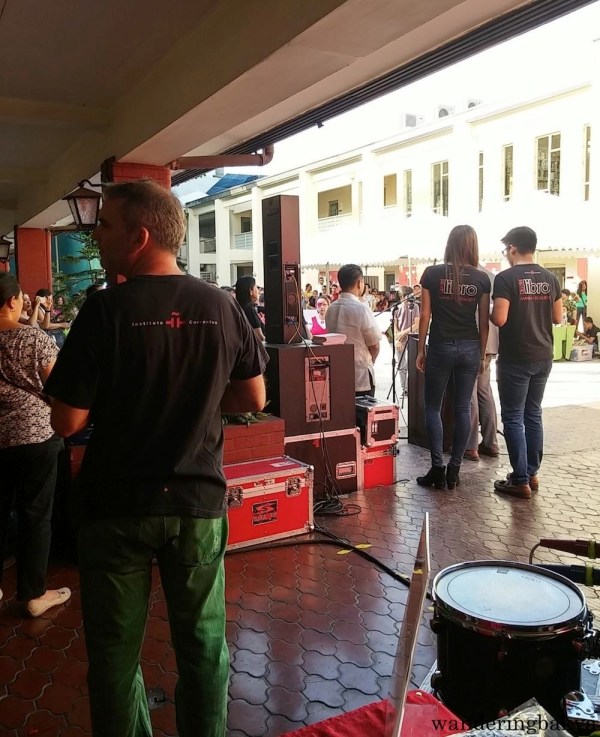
(312, 632)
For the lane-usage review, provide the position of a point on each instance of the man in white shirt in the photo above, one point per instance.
(351, 317)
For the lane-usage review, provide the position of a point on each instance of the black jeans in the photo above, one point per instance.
(28, 477)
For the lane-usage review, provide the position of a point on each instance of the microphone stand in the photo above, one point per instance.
(395, 309)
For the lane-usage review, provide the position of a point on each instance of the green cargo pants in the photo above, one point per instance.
(115, 557)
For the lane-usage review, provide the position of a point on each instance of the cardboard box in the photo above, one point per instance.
(268, 499)
(582, 353)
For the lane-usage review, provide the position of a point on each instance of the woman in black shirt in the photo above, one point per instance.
(453, 293)
(246, 293)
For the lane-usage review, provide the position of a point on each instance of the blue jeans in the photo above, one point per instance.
(521, 388)
(461, 359)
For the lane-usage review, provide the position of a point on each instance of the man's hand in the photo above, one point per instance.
(420, 362)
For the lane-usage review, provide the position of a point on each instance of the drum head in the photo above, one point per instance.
(508, 594)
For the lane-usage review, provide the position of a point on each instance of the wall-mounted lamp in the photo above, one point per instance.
(6, 249)
(84, 204)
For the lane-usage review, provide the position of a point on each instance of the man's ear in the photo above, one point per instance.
(141, 239)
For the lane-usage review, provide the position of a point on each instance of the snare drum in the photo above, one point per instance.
(506, 632)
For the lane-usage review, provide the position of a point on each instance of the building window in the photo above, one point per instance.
(439, 202)
(480, 181)
(408, 192)
(548, 163)
(507, 168)
(389, 191)
(334, 208)
(245, 224)
(586, 178)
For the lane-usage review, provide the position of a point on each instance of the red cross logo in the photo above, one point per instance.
(175, 321)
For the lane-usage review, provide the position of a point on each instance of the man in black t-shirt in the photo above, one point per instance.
(527, 301)
(590, 332)
(153, 362)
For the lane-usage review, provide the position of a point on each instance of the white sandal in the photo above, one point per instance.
(37, 607)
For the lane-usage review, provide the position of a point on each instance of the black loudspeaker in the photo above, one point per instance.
(311, 388)
(281, 257)
(417, 433)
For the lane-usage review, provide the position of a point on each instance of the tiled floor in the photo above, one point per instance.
(312, 630)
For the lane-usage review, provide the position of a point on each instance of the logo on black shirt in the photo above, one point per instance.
(175, 321)
(530, 289)
(464, 290)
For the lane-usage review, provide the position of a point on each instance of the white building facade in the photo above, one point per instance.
(389, 206)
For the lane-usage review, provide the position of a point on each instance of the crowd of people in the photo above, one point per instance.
(151, 485)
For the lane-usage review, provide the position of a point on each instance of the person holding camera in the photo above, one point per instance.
(407, 322)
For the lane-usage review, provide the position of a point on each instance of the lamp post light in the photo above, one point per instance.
(5, 249)
(84, 204)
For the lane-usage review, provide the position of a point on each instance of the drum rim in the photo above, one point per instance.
(498, 629)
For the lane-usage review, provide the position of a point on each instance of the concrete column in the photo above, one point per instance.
(462, 162)
(193, 244)
(223, 243)
(258, 268)
(33, 259)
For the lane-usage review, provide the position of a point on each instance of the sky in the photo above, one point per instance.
(551, 57)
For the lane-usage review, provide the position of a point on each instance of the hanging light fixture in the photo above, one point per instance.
(5, 249)
(84, 204)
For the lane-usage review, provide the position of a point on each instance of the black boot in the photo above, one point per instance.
(452, 477)
(434, 477)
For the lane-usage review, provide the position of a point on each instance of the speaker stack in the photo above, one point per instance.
(310, 387)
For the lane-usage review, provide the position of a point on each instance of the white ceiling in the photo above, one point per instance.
(150, 81)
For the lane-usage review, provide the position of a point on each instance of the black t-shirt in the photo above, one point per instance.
(452, 315)
(252, 315)
(592, 333)
(527, 334)
(151, 358)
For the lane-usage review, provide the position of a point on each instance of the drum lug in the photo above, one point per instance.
(436, 625)
(437, 681)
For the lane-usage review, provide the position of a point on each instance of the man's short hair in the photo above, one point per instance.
(522, 238)
(405, 290)
(349, 275)
(565, 291)
(146, 204)
(589, 319)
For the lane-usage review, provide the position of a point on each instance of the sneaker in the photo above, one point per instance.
(37, 607)
(471, 455)
(506, 486)
(485, 450)
(534, 483)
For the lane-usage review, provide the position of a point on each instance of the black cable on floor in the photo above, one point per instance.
(337, 542)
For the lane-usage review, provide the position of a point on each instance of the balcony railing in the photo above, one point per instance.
(243, 241)
(337, 221)
(208, 245)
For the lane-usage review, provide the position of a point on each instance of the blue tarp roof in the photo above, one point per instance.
(230, 180)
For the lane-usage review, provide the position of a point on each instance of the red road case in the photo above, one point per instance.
(333, 455)
(379, 466)
(377, 420)
(268, 500)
